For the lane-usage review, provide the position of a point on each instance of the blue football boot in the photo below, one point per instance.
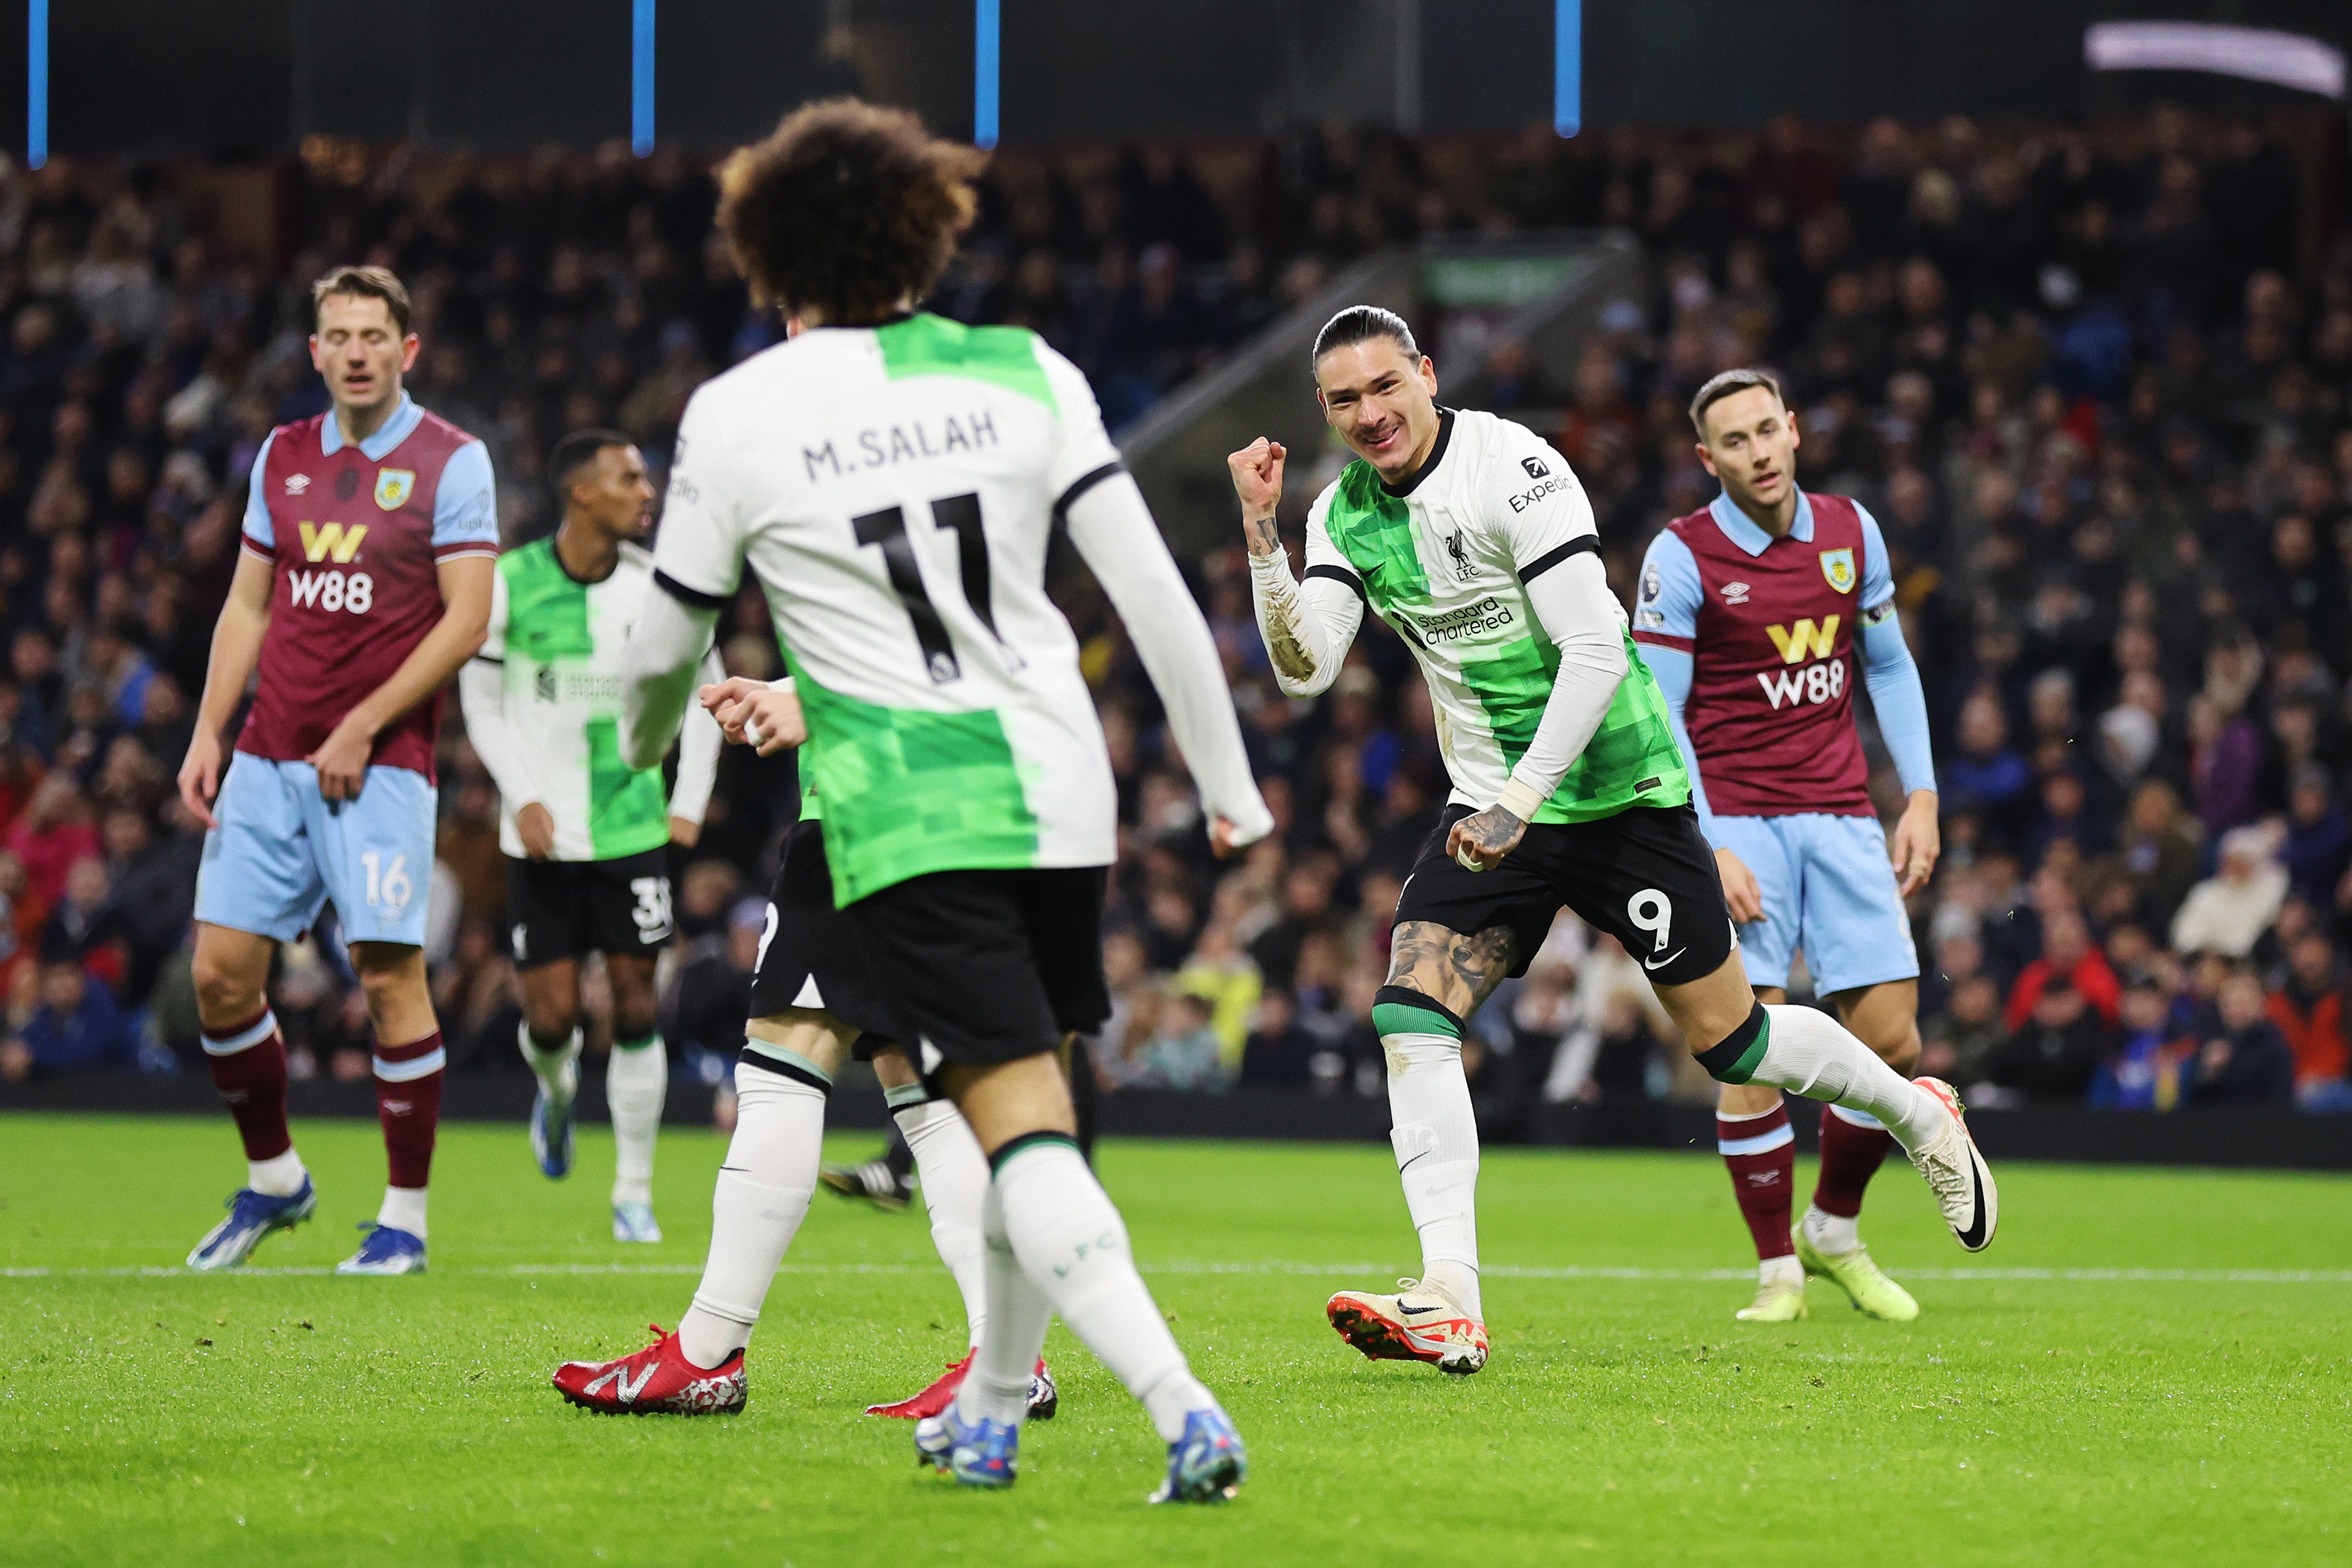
(984, 1454)
(251, 1216)
(1207, 1464)
(386, 1250)
(550, 1136)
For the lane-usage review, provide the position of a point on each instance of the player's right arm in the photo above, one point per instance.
(482, 694)
(1308, 626)
(698, 560)
(236, 645)
(1665, 625)
(236, 649)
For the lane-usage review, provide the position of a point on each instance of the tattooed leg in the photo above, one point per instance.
(1438, 977)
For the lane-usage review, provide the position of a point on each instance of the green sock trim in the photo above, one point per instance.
(1012, 1146)
(906, 1095)
(1402, 1019)
(790, 1058)
(653, 1039)
(1735, 1059)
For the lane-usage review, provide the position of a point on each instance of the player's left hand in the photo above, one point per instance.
(683, 832)
(1918, 844)
(1480, 840)
(744, 707)
(342, 761)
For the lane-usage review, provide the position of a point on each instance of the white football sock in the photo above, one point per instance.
(1784, 1270)
(997, 1386)
(403, 1209)
(1808, 1052)
(280, 1177)
(1073, 1245)
(1436, 1140)
(557, 1070)
(1834, 1234)
(954, 1176)
(636, 1082)
(758, 1204)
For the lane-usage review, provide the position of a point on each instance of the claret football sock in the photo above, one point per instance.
(636, 1083)
(1853, 1146)
(1805, 1051)
(955, 1187)
(1435, 1135)
(1072, 1245)
(408, 1104)
(248, 1068)
(1760, 1151)
(756, 1206)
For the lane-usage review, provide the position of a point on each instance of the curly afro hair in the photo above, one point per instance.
(845, 209)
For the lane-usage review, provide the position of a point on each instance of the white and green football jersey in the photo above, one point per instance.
(1444, 560)
(894, 488)
(558, 642)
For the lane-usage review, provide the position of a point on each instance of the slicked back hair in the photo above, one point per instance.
(1361, 323)
(363, 283)
(575, 452)
(1722, 386)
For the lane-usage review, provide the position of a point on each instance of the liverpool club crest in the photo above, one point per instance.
(393, 487)
(1837, 565)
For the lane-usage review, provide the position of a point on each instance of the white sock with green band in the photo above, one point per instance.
(757, 1203)
(1805, 1051)
(1436, 1134)
(557, 1068)
(636, 1084)
(954, 1176)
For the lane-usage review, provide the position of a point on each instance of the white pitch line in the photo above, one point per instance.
(1316, 1270)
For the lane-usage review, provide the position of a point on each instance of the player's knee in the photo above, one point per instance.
(633, 1018)
(224, 990)
(552, 1022)
(1898, 1050)
(389, 979)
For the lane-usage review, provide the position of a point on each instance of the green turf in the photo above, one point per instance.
(266, 1418)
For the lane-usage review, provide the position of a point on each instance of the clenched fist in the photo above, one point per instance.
(1257, 479)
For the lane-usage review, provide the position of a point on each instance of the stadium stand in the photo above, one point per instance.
(2094, 383)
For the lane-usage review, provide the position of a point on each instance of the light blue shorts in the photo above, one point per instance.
(281, 851)
(1828, 890)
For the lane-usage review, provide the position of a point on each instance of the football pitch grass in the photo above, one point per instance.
(2147, 1365)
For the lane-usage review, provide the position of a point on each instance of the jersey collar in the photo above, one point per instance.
(1429, 466)
(404, 420)
(1738, 528)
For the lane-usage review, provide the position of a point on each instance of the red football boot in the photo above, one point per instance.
(657, 1381)
(1044, 1398)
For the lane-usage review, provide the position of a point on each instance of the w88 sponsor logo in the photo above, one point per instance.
(333, 591)
(1822, 680)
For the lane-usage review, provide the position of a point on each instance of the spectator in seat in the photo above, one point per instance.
(1961, 1039)
(1987, 777)
(2147, 1072)
(2229, 911)
(2246, 1061)
(55, 831)
(2318, 842)
(2067, 952)
(2308, 1009)
(2159, 851)
(77, 1027)
(2053, 1057)
(1279, 1050)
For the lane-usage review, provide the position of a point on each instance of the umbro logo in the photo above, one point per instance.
(297, 483)
(1735, 592)
(1763, 1178)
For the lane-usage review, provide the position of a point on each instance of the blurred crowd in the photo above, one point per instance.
(2096, 383)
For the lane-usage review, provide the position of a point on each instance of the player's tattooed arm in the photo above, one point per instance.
(1256, 472)
(1481, 839)
(1448, 967)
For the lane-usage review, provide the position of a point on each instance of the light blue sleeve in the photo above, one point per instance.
(1668, 599)
(465, 507)
(1672, 667)
(256, 505)
(1877, 576)
(1901, 703)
